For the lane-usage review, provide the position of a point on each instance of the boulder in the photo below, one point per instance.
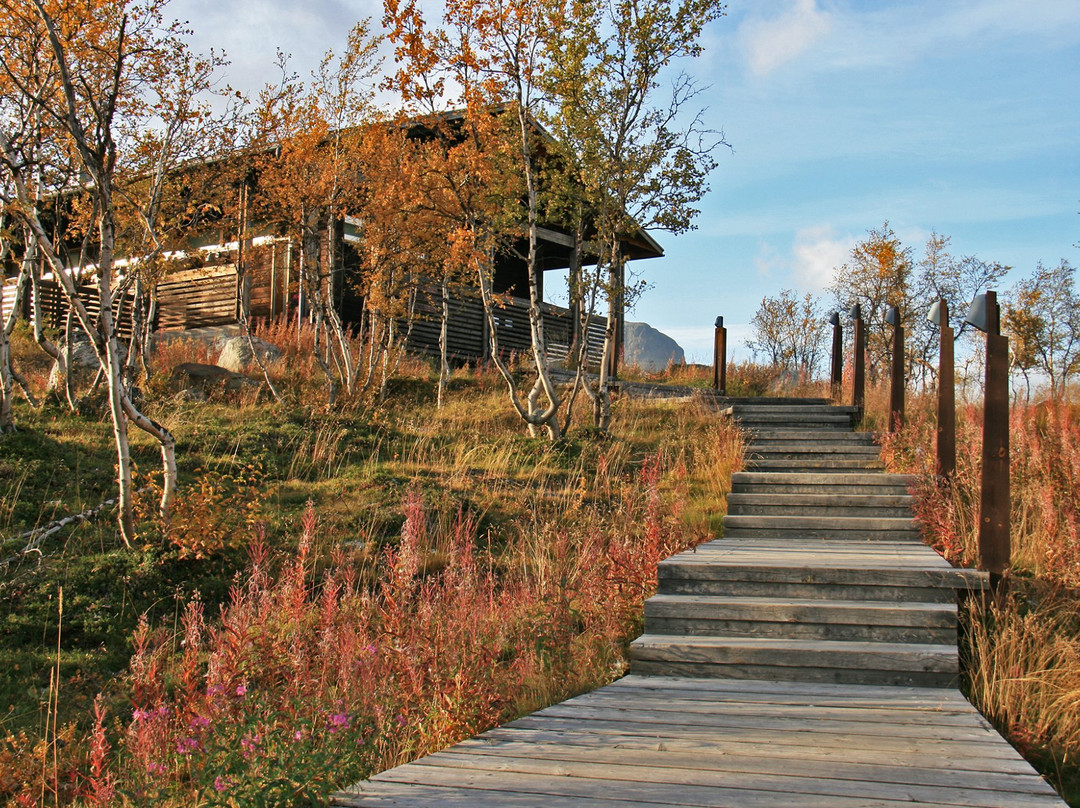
(649, 349)
(236, 354)
(84, 362)
(208, 378)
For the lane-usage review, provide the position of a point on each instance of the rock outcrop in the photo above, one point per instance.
(649, 349)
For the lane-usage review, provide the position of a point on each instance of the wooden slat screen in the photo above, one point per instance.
(54, 305)
(197, 298)
(465, 333)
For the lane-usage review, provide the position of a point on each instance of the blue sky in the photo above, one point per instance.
(961, 116)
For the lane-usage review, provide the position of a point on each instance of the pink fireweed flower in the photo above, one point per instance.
(185, 746)
(222, 783)
(249, 744)
(339, 721)
(140, 715)
(241, 689)
(199, 722)
(299, 735)
(155, 768)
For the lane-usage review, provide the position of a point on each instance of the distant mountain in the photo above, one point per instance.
(650, 349)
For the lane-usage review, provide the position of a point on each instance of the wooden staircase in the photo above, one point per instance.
(820, 575)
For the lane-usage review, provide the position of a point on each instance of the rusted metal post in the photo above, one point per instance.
(994, 527)
(837, 354)
(946, 405)
(858, 392)
(720, 358)
(897, 383)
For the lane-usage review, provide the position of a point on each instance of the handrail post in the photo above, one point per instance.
(897, 383)
(720, 357)
(994, 541)
(858, 392)
(946, 404)
(837, 379)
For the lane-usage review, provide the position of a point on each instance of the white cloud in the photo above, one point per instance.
(769, 44)
(817, 253)
(768, 261)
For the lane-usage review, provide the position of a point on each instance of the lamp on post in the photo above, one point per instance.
(946, 408)
(994, 539)
(897, 385)
(720, 357)
(837, 354)
(858, 392)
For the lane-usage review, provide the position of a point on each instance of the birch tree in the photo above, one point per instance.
(1043, 316)
(309, 141)
(78, 68)
(630, 118)
(484, 62)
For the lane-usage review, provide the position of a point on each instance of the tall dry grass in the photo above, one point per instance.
(1022, 654)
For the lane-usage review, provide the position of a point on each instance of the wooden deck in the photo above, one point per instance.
(664, 741)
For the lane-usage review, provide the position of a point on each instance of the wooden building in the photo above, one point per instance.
(207, 290)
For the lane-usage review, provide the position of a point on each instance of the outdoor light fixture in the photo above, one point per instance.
(855, 312)
(834, 318)
(946, 410)
(994, 527)
(720, 357)
(939, 313)
(978, 314)
(892, 316)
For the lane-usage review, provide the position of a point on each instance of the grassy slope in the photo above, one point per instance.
(248, 465)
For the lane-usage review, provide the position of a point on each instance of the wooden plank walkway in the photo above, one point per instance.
(664, 741)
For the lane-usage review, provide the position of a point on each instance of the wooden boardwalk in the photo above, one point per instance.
(664, 741)
(820, 635)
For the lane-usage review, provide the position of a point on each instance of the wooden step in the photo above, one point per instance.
(823, 570)
(833, 482)
(740, 410)
(767, 504)
(823, 464)
(801, 618)
(811, 437)
(871, 663)
(822, 423)
(794, 451)
(850, 528)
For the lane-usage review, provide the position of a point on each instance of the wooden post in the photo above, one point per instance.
(994, 527)
(858, 392)
(837, 355)
(720, 357)
(897, 382)
(616, 347)
(946, 409)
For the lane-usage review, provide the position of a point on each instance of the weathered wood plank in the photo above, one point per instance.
(714, 759)
(804, 723)
(639, 769)
(926, 755)
(709, 793)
